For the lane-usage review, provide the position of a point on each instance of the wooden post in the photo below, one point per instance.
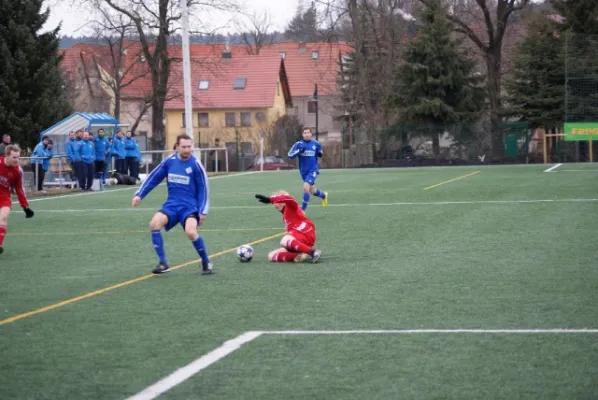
(591, 151)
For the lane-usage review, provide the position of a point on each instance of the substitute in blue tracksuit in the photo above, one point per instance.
(131, 155)
(69, 149)
(101, 148)
(40, 162)
(87, 153)
(118, 150)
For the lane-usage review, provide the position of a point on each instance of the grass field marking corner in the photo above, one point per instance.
(453, 180)
(194, 367)
(186, 372)
(122, 284)
(553, 168)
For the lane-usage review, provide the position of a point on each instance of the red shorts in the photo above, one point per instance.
(5, 202)
(308, 239)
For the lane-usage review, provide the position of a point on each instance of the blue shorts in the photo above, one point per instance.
(178, 214)
(310, 177)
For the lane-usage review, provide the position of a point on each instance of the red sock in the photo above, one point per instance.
(2, 234)
(284, 256)
(297, 246)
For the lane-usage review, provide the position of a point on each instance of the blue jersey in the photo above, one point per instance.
(187, 183)
(308, 153)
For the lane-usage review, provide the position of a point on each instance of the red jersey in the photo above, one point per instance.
(11, 176)
(293, 216)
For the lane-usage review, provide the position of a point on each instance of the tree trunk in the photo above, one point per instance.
(493, 63)
(117, 104)
(436, 144)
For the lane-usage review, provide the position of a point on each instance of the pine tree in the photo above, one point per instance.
(438, 86)
(304, 25)
(536, 86)
(32, 96)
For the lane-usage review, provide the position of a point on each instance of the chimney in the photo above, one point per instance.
(226, 54)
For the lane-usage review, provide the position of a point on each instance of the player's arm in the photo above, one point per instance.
(288, 201)
(153, 179)
(319, 150)
(203, 191)
(18, 184)
(295, 150)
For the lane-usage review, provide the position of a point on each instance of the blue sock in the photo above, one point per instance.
(320, 194)
(305, 201)
(159, 246)
(201, 249)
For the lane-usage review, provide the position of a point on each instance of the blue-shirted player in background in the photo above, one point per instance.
(187, 202)
(309, 151)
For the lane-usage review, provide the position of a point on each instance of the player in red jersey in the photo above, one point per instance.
(298, 243)
(11, 174)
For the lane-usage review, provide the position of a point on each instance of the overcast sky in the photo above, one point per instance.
(74, 17)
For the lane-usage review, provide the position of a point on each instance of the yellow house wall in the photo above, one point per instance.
(217, 127)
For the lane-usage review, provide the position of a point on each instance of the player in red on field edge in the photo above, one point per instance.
(11, 175)
(298, 243)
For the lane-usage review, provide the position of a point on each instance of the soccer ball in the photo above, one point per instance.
(245, 253)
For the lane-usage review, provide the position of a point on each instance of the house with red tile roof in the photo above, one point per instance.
(235, 96)
(84, 86)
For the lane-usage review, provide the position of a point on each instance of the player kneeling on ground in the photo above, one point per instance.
(11, 175)
(298, 243)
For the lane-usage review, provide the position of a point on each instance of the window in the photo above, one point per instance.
(259, 116)
(312, 107)
(315, 55)
(239, 83)
(183, 120)
(204, 119)
(245, 119)
(204, 84)
(229, 119)
(283, 54)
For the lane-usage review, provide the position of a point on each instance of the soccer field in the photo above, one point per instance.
(461, 283)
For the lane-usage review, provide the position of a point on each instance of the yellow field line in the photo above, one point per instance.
(452, 180)
(138, 231)
(119, 285)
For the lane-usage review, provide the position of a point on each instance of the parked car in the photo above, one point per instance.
(271, 163)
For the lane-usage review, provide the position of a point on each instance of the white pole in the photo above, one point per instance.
(186, 70)
(262, 152)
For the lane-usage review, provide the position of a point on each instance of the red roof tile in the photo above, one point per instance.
(261, 74)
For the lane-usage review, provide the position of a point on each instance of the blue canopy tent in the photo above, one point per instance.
(59, 132)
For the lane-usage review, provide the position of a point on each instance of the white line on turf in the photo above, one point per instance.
(552, 168)
(423, 203)
(186, 372)
(121, 189)
(412, 331)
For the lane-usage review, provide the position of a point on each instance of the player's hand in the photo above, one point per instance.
(202, 218)
(28, 212)
(136, 201)
(263, 199)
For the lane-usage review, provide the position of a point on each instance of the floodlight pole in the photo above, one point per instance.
(186, 69)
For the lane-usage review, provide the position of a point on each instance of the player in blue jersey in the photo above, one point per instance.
(309, 151)
(187, 202)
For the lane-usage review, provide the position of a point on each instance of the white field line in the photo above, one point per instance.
(423, 203)
(552, 168)
(578, 170)
(186, 372)
(121, 189)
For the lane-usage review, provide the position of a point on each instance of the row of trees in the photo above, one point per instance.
(427, 62)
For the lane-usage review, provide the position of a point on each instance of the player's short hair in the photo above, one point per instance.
(183, 136)
(280, 193)
(306, 128)
(11, 148)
